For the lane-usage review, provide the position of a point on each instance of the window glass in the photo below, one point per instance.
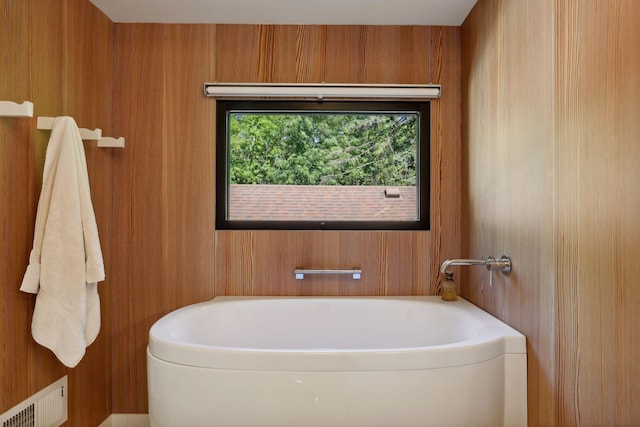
(322, 165)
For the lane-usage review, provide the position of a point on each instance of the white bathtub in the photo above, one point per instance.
(338, 362)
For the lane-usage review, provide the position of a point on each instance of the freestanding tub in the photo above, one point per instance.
(335, 362)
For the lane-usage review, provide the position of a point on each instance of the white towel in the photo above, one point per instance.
(65, 263)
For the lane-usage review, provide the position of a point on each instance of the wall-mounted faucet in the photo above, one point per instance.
(502, 265)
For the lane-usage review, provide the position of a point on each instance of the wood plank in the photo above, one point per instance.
(407, 267)
(270, 53)
(239, 55)
(233, 257)
(597, 172)
(47, 53)
(397, 54)
(446, 214)
(87, 97)
(187, 199)
(310, 53)
(377, 54)
(508, 159)
(139, 87)
(19, 191)
(344, 60)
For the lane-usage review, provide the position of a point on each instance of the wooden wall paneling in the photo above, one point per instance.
(345, 54)
(406, 265)
(171, 127)
(396, 54)
(620, 281)
(369, 251)
(18, 191)
(568, 267)
(377, 54)
(46, 54)
(233, 263)
(139, 288)
(598, 199)
(42, 367)
(275, 254)
(87, 67)
(87, 86)
(46, 88)
(272, 262)
(392, 55)
(238, 54)
(310, 53)
(337, 54)
(509, 150)
(483, 148)
(444, 68)
(270, 53)
(526, 299)
(188, 145)
(481, 38)
(38, 49)
(265, 260)
(315, 249)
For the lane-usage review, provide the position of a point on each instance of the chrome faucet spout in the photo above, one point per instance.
(503, 264)
(447, 264)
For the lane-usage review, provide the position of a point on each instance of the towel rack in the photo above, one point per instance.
(46, 123)
(12, 109)
(299, 272)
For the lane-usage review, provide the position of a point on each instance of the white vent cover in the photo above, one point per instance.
(47, 408)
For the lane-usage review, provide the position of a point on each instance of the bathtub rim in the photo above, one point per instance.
(498, 339)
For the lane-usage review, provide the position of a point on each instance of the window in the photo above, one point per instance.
(349, 165)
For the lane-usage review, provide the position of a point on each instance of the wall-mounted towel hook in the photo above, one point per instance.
(12, 109)
(46, 123)
(107, 141)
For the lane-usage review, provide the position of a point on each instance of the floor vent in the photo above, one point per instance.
(47, 408)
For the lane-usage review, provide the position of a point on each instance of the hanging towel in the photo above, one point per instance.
(65, 264)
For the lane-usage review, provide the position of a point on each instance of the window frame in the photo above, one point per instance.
(423, 184)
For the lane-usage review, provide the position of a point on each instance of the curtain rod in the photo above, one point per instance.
(320, 90)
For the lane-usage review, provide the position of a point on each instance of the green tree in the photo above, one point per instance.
(323, 149)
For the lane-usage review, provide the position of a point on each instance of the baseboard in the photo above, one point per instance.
(126, 420)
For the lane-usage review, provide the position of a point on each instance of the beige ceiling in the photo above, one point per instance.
(330, 12)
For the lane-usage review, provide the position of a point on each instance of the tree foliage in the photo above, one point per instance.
(323, 149)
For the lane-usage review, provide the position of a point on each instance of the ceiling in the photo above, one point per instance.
(329, 12)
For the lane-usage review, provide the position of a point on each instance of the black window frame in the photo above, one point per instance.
(225, 106)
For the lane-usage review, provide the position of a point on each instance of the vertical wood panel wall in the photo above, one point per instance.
(58, 55)
(393, 263)
(168, 255)
(550, 160)
(598, 169)
(164, 184)
(508, 168)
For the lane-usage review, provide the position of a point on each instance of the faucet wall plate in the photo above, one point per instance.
(503, 265)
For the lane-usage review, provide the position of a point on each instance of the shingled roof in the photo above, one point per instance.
(322, 202)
